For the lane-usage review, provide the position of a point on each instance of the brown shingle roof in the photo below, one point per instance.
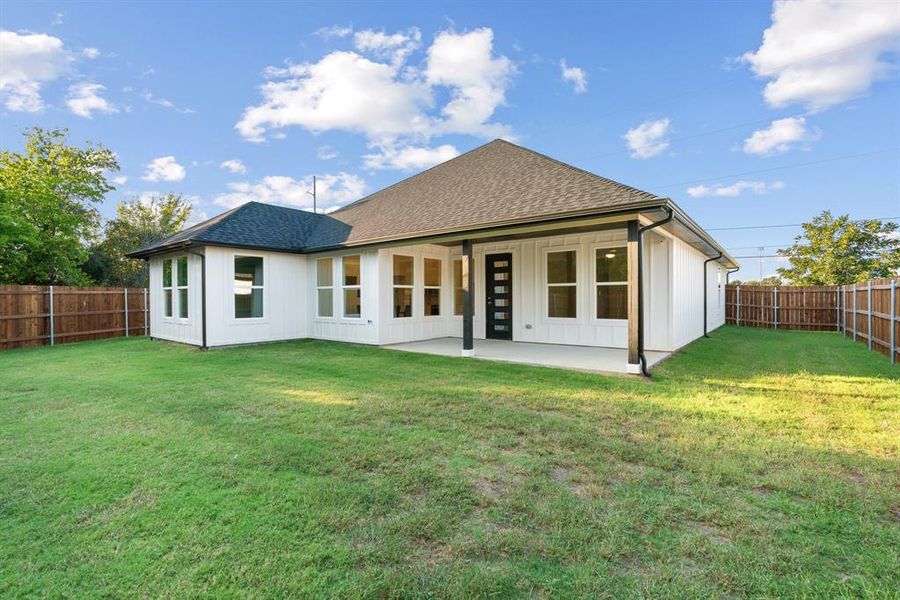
(495, 183)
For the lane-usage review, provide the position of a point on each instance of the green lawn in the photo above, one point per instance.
(755, 463)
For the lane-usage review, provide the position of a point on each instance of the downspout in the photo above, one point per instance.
(706, 289)
(728, 272)
(640, 285)
(202, 291)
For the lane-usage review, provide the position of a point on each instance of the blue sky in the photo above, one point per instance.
(229, 102)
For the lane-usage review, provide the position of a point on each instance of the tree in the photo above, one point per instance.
(770, 280)
(138, 222)
(838, 251)
(47, 207)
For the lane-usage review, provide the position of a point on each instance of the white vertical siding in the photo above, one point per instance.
(190, 330)
(658, 322)
(687, 297)
(285, 298)
(363, 330)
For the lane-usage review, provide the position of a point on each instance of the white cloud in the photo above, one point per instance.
(779, 137)
(326, 153)
(58, 19)
(822, 53)
(84, 100)
(648, 139)
(121, 180)
(164, 168)
(332, 191)
(735, 189)
(335, 31)
(465, 62)
(90, 53)
(29, 61)
(234, 165)
(343, 91)
(397, 46)
(165, 103)
(574, 74)
(387, 100)
(409, 158)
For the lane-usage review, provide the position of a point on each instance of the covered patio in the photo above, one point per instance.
(582, 358)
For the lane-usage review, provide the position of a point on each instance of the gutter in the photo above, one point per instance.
(706, 290)
(640, 284)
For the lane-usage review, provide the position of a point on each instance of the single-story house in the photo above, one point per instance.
(499, 243)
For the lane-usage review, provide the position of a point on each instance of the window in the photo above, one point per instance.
(181, 276)
(351, 287)
(325, 287)
(611, 282)
(248, 287)
(561, 284)
(167, 287)
(457, 287)
(403, 285)
(432, 287)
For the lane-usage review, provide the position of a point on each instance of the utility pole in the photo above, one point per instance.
(761, 248)
(312, 193)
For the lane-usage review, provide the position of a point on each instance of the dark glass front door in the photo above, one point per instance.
(498, 284)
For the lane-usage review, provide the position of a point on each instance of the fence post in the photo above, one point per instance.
(737, 312)
(837, 309)
(125, 291)
(52, 324)
(893, 315)
(854, 312)
(775, 310)
(869, 310)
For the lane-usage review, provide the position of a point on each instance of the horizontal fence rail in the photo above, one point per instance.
(868, 312)
(34, 315)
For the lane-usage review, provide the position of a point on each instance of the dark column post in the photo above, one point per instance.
(468, 298)
(634, 362)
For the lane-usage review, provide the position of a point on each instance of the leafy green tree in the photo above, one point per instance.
(770, 280)
(48, 214)
(138, 222)
(838, 251)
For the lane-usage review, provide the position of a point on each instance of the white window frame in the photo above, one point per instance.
(453, 261)
(548, 285)
(345, 287)
(178, 288)
(265, 302)
(412, 287)
(319, 288)
(437, 287)
(170, 288)
(594, 248)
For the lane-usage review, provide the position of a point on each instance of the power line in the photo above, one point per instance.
(789, 225)
(759, 246)
(770, 169)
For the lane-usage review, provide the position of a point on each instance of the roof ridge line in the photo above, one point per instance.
(366, 198)
(579, 169)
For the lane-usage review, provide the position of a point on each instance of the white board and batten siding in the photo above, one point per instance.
(173, 328)
(687, 293)
(361, 330)
(285, 298)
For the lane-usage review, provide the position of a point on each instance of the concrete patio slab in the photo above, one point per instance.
(582, 358)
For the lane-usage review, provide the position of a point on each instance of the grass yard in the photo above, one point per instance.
(756, 463)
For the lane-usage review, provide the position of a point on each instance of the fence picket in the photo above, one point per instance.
(822, 308)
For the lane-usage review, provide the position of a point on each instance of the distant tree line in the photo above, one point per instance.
(51, 231)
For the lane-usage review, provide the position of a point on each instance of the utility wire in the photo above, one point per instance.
(770, 169)
(789, 225)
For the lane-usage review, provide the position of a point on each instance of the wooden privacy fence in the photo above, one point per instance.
(868, 312)
(32, 315)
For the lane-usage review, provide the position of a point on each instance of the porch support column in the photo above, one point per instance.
(634, 361)
(468, 298)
